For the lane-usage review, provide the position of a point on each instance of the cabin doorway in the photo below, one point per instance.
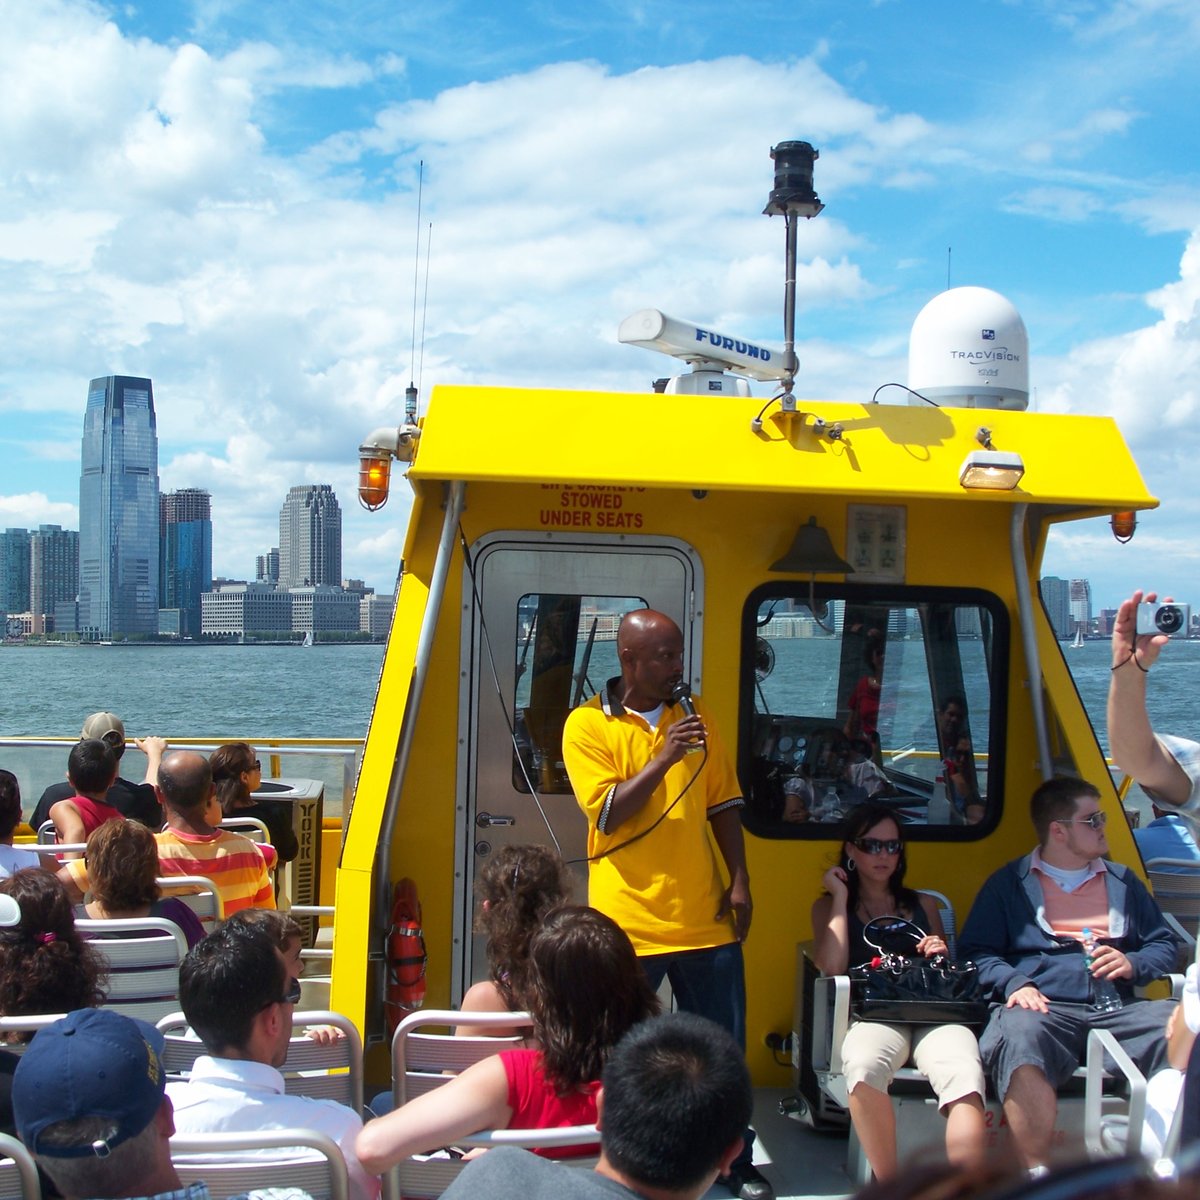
(539, 638)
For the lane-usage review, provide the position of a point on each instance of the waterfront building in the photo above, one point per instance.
(375, 614)
(1081, 605)
(1105, 621)
(324, 609)
(266, 566)
(53, 573)
(245, 609)
(1056, 597)
(14, 570)
(310, 537)
(184, 559)
(118, 510)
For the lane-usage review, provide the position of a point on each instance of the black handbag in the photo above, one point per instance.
(899, 988)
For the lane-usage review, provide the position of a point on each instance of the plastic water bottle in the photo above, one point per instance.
(1105, 997)
(831, 809)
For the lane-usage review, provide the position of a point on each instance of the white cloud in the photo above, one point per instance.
(35, 508)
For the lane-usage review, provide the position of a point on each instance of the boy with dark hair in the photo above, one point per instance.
(91, 769)
(673, 1106)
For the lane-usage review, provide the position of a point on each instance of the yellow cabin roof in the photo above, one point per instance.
(530, 436)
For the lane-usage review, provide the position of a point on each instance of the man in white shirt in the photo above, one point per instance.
(238, 995)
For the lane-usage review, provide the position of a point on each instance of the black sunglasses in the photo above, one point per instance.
(291, 996)
(879, 846)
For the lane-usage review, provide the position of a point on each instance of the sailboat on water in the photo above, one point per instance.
(1077, 644)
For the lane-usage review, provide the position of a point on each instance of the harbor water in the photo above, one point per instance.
(258, 692)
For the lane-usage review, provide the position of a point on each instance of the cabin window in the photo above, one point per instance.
(855, 693)
(566, 650)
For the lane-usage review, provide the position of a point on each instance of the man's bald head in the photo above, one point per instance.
(643, 625)
(185, 780)
(650, 650)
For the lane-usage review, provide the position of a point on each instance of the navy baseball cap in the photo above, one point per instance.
(92, 1063)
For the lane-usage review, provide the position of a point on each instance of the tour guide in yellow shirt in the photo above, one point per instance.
(649, 805)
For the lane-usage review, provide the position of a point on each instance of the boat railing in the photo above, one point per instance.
(39, 761)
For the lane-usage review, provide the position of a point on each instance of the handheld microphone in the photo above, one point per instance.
(681, 694)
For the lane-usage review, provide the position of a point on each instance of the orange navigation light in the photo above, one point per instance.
(1124, 525)
(374, 477)
(375, 461)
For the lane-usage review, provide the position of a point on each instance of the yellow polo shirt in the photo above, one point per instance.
(664, 889)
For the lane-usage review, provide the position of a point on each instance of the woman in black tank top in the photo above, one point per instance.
(868, 882)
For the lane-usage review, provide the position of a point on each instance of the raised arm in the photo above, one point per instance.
(473, 1101)
(1130, 737)
(830, 922)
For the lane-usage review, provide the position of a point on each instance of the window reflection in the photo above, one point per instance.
(889, 696)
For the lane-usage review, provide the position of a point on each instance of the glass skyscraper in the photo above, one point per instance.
(14, 571)
(118, 510)
(310, 537)
(185, 554)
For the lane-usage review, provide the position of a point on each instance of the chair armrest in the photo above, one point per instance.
(1100, 1042)
(831, 1019)
(566, 1135)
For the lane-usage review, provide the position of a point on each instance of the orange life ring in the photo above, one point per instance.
(405, 953)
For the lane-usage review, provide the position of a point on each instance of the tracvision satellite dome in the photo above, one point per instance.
(969, 349)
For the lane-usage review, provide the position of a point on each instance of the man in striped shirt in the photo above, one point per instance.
(188, 845)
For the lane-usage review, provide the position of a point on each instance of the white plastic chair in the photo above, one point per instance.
(18, 1172)
(238, 1162)
(422, 1061)
(141, 957)
(324, 1072)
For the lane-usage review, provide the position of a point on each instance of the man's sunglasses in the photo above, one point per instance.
(1097, 820)
(291, 996)
(878, 846)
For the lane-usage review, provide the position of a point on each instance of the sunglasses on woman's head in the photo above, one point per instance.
(879, 845)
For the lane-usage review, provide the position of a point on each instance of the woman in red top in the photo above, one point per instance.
(586, 991)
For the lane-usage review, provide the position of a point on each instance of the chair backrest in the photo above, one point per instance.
(18, 1172)
(238, 1162)
(142, 957)
(423, 1060)
(29, 1024)
(946, 913)
(198, 892)
(1175, 883)
(46, 833)
(332, 1071)
(250, 827)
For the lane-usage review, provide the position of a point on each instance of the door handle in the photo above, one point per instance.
(487, 821)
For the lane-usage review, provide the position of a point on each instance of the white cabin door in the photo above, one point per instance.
(539, 630)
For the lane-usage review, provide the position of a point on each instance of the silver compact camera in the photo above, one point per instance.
(1164, 618)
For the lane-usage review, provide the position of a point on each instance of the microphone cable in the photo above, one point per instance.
(637, 837)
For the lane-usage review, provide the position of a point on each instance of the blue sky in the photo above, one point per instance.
(222, 195)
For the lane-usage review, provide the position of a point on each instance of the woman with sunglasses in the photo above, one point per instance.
(237, 773)
(868, 882)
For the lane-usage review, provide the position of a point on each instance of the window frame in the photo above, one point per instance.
(893, 596)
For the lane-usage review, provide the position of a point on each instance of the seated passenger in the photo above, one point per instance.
(45, 966)
(91, 768)
(188, 845)
(122, 862)
(14, 858)
(236, 773)
(586, 990)
(1027, 932)
(135, 801)
(517, 887)
(239, 996)
(868, 882)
